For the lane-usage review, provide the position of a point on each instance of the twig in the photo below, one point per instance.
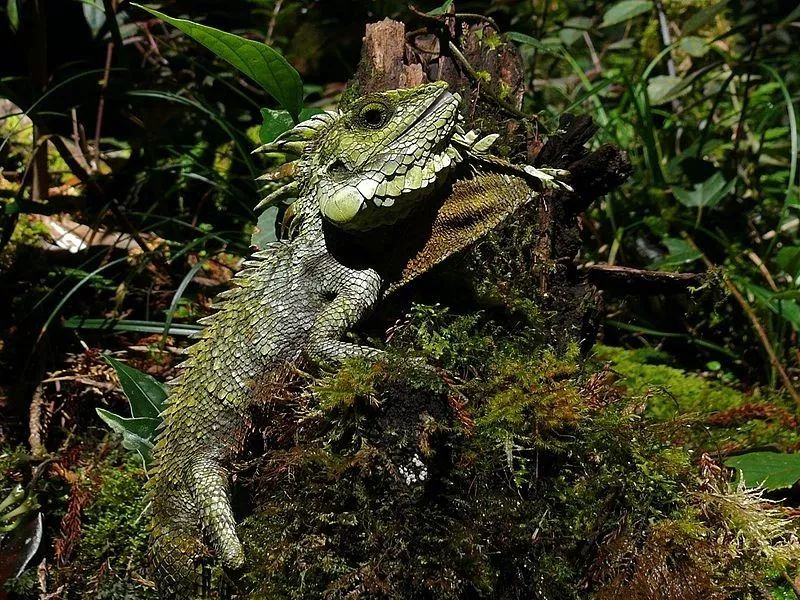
(101, 103)
(756, 259)
(754, 321)
(271, 27)
(628, 280)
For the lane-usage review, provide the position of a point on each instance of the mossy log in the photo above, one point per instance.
(471, 57)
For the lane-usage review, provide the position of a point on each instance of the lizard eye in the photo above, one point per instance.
(374, 115)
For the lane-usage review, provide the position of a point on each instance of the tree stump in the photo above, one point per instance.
(488, 74)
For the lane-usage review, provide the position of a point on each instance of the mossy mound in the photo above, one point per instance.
(526, 476)
(719, 417)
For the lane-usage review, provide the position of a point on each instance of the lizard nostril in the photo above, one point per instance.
(337, 168)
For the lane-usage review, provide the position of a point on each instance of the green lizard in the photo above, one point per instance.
(383, 190)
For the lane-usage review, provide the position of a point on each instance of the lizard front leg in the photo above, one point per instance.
(348, 294)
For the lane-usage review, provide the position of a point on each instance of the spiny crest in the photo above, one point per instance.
(296, 142)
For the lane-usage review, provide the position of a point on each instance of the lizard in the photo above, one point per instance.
(379, 191)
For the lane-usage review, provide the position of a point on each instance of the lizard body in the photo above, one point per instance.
(385, 189)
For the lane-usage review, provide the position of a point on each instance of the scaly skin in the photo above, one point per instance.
(395, 160)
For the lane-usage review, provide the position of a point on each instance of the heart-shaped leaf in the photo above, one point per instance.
(705, 194)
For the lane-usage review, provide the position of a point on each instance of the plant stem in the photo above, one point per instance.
(754, 321)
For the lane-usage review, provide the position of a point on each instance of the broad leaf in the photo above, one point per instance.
(780, 303)
(705, 194)
(664, 88)
(574, 29)
(627, 9)
(137, 433)
(703, 17)
(772, 470)
(12, 12)
(259, 62)
(95, 15)
(679, 254)
(145, 395)
(788, 259)
(20, 545)
(694, 46)
(275, 122)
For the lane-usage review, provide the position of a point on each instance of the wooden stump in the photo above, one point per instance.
(488, 74)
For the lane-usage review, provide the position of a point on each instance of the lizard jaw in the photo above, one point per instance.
(379, 200)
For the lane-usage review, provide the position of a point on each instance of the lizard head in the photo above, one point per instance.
(384, 154)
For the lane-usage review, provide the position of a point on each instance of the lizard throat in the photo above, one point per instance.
(381, 200)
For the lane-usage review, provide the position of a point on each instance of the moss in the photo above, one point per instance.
(530, 473)
(113, 522)
(725, 418)
(94, 515)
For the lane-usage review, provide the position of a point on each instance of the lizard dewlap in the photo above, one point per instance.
(379, 163)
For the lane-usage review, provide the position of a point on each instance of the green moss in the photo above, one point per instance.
(114, 522)
(529, 472)
(726, 418)
(92, 501)
(672, 390)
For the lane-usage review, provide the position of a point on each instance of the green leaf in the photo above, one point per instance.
(259, 62)
(144, 393)
(694, 46)
(137, 434)
(705, 194)
(703, 17)
(573, 30)
(679, 254)
(664, 88)
(275, 122)
(440, 10)
(12, 11)
(625, 10)
(780, 303)
(772, 470)
(788, 259)
(95, 15)
(179, 329)
(522, 38)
